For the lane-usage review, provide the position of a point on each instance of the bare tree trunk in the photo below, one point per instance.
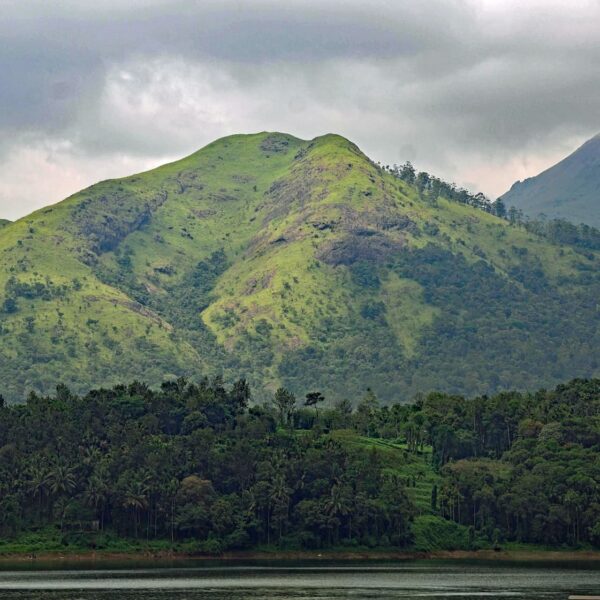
(172, 520)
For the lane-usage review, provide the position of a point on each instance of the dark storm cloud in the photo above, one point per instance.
(53, 55)
(247, 31)
(455, 85)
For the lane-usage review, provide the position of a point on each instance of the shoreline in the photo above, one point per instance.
(283, 556)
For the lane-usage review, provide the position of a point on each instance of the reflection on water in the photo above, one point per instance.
(418, 579)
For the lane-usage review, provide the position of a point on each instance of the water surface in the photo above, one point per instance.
(428, 580)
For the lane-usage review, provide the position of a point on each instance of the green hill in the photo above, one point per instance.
(293, 262)
(569, 190)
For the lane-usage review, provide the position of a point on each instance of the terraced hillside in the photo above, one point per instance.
(414, 469)
(290, 262)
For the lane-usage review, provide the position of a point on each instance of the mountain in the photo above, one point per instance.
(3, 223)
(290, 262)
(569, 190)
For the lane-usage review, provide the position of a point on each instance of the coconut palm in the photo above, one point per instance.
(135, 498)
(280, 495)
(97, 493)
(61, 480)
(338, 505)
(37, 485)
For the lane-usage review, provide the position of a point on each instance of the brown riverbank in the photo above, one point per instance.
(162, 557)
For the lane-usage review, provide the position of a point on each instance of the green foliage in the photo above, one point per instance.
(372, 310)
(434, 533)
(434, 188)
(9, 305)
(559, 231)
(195, 467)
(191, 465)
(519, 467)
(525, 306)
(186, 299)
(363, 274)
(293, 261)
(285, 403)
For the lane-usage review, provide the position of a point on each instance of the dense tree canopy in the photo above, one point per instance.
(200, 463)
(191, 462)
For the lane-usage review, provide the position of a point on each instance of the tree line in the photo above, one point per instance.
(192, 462)
(201, 463)
(557, 231)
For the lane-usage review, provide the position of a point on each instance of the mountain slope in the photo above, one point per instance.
(569, 190)
(290, 262)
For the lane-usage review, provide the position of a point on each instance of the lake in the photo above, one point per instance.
(379, 581)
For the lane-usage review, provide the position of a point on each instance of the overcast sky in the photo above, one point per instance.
(480, 92)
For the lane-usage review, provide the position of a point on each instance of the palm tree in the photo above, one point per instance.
(96, 494)
(280, 494)
(135, 498)
(37, 485)
(91, 456)
(61, 480)
(339, 505)
(313, 399)
(60, 508)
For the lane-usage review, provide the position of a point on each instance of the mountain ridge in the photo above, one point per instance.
(570, 189)
(288, 261)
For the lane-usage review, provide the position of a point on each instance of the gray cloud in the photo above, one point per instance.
(478, 91)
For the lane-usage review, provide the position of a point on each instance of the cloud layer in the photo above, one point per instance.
(479, 92)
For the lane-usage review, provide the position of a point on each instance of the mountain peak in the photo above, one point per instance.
(291, 262)
(265, 138)
(569, 190)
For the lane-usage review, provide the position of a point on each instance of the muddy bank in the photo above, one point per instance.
(162, 557)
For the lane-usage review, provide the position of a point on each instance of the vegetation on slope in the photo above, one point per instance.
(287, 260)
(522, 467)
(193, 467)
(190, 463)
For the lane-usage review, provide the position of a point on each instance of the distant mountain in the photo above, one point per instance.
(290, 262)
(569, 190)
(3, 223)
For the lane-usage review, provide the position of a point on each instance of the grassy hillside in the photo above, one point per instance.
(568, 190)
(290, 261)
(415, 470)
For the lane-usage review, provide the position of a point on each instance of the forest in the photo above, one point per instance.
(556, 231)
(201, 467)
